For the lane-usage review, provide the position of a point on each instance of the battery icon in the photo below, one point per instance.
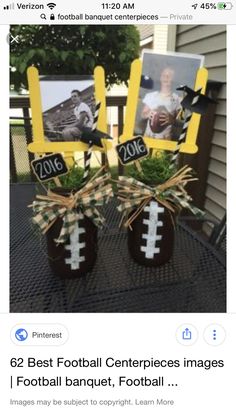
(224, 6)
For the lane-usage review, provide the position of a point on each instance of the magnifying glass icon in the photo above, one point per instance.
(43, 16)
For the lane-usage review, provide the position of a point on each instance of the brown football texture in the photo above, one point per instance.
(155, 123)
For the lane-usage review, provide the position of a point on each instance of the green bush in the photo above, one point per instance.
(73, 49)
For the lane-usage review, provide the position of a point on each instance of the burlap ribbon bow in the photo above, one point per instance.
(135, 195)
(48, 208)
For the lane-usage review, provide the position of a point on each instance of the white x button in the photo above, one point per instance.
(13, 39)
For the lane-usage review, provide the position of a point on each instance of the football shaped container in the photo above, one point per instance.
(151, 236)
(78, 254)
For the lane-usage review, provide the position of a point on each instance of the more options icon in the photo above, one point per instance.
(214, 334)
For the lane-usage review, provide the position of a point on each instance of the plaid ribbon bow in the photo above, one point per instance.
(47, 209)
(135, 195)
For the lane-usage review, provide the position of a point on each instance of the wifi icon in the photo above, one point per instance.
(51, 5)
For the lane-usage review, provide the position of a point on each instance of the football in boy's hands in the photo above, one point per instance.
(156, 122)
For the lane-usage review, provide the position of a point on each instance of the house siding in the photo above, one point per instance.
(145, 31)
(210, 41)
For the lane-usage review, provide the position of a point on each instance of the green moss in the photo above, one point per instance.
(71, 180)
(155, 170)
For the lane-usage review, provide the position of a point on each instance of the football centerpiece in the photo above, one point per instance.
(69, 116)
(165, 102)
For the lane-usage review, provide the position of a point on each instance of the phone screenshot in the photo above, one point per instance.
(118, 294)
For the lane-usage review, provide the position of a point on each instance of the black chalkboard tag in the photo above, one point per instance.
(132, 150)
(49, 167)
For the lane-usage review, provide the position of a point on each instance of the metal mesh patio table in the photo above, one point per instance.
(194, 280)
